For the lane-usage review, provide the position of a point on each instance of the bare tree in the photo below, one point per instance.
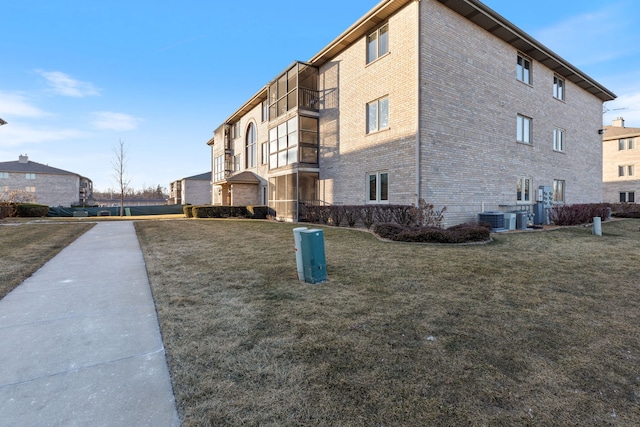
(120, 169)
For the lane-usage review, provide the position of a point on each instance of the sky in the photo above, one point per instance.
(79, 76)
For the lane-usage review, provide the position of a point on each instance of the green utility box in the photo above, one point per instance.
(313, 257)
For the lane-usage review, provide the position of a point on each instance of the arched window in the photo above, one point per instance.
(251, 146)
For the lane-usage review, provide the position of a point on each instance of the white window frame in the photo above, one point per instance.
(524, 69)
(559, 140)
(559, 189)
(524, 127)
(4, 174)
(30, 176)
(251, 146)
(30, 189)
(377, 43)
(237, 163)
(524, 190)
(218, 168)
(378, 115)
(381, 189)
(558, 88)
(265, 152)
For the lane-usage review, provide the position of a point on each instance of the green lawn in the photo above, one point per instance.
(537, 328)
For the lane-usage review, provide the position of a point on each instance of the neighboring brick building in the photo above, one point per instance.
(442, 100)
(49, 186)
(621, 155)
(195, 190)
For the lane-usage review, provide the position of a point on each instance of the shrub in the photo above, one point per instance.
(351, 215)
(7, 210)
(258, 212)
(579, 213)
(463, 233)
(388, 230)
(368, 215)
(31, 210)
(336, 214)
(425, 214)
(626, 210)
(426, 235)
(188, 212)
(220, 212)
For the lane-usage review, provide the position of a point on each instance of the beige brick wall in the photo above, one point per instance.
(347, 84)
(614, 184)
(238, 147)
(470, 99)
(196, 192)
(52, 190)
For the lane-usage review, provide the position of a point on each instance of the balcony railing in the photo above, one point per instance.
(309, 99)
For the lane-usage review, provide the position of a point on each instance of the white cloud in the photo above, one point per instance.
(592, 38)
(108, 120)
(16, 134)
(626, 106)
(65, 85)
(18, 105)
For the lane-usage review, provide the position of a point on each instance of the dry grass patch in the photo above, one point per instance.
(25, 246)
(532, 329)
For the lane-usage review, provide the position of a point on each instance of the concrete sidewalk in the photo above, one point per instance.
(80, 343)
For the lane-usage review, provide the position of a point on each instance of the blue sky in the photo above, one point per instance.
(78, 76)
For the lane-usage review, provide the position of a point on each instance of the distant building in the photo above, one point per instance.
(195, 190)
(49, 185)
(444, 101)
(620, 156)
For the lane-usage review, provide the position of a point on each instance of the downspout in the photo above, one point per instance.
(418, 93)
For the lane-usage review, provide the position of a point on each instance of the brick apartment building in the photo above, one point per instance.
(620, 155)
(48, 185)
(441, 100)
(195, 190)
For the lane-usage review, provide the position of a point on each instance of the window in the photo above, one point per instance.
(524, 129)
(293, 141)
(30, 189)
(626, 170)
(30, 176)
(5, 189)
(558, 88)
(283, 144)
(558, 139)
(378, 187)
(4, 174)
(626, 144)
(627, 197)
(237, 163)
(251, 148)
(265, 153)
(283, 93)
(378, 115)
(378, 43)
(523, 69)
(218, 168)
(265, 111)
(558, 191)
(235, 130)
(524, 189)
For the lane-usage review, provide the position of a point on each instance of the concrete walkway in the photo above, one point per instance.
(80, 343)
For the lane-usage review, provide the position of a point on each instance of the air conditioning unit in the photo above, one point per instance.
(496, 219)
